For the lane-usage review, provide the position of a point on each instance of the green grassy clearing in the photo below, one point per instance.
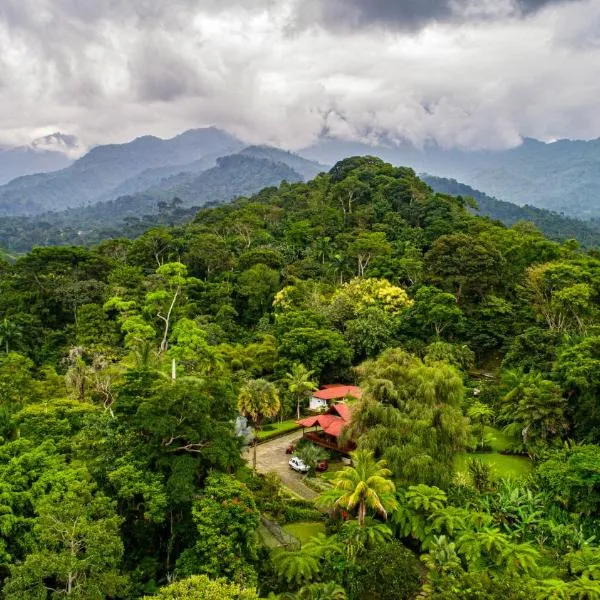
(504, 465)
(500, 440)
(304, 530)
(273, 429)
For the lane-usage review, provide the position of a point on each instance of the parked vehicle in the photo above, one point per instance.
(322, 466)
(290, 449)
(298, 465)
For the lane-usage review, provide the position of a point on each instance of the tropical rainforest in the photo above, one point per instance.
(135, 374)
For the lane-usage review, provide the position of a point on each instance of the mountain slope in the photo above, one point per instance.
(553, 225)
(235, 175)
(563, 176)
(95, 176)
(18, 162)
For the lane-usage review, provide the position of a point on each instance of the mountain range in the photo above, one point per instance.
(563, 176)
(206, 166)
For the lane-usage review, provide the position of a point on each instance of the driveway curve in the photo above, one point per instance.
(271, 457)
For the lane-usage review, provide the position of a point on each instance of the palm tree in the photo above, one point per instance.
(482, 415)
(300, 383)
(10, 333)
(258, 399)
(362, 486)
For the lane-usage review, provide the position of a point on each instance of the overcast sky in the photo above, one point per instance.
(464, 73)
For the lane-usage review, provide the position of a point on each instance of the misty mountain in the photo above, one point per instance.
(306, 168)
(562, 176)
(27, 160)
(553, 225)
(97, 175)
(235, 175)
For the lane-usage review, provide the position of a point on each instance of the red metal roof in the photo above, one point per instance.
(343, 410)
(336, 391)
(331, 422)
(335, 428)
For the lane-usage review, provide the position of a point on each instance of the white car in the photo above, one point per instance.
(298, 465)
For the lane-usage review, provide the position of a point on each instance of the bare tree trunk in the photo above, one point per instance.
(164, 343)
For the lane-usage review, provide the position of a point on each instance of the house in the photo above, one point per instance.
(328, 394)
(329, 427)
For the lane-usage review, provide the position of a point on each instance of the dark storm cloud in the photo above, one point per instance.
(410, 14)
(282, 71)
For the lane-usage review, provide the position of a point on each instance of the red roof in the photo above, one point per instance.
(331, 422)
(336, 391)
(343, 410)
(335, 428)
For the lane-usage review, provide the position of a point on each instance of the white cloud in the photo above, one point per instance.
(109, 71)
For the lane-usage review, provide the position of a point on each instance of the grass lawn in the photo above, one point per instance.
(501, 440)
(504, 465)
(273, 429)
(304, 530)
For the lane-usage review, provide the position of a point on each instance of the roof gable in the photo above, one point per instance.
(337, 391)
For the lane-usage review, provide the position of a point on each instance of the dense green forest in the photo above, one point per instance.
(119, 480)
(553, 225)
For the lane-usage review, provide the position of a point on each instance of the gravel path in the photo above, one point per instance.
(271, 457)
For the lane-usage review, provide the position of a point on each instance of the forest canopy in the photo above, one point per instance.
(133, 373)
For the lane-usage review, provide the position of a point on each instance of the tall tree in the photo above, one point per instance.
(365, 485)
(299, 382)
(258, 399)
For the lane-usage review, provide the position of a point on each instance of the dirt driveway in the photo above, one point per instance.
(271, 456)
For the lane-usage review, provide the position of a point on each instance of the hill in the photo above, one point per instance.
(563, 176)
(232, 176)
(97, 175)
(553, 225)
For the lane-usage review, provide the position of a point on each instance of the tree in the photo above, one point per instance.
(410, 414)
(535, 409)
(258, 285)
(311, 455)
(200, 587)
(366, 485)
(481, 415)
(299, 383)
(321, 350)
(388, 570)
(366, 246)
(10, 333)
(226, 520)
(77, 549)
(172, 278)
(258, 400)
(465, 265)
(437, 310)
(571, 478)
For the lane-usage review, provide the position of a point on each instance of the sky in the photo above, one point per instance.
(468, 74)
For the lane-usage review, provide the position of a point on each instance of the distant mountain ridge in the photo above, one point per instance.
(553, 225)
(563, 176)
(95, 176)
(148, 165)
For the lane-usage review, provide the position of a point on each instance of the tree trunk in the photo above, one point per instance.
(164, 343)
(254, 444)
(298, 408)
(362, 511)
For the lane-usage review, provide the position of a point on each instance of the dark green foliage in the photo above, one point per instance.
(454, 324)
(387, 571)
